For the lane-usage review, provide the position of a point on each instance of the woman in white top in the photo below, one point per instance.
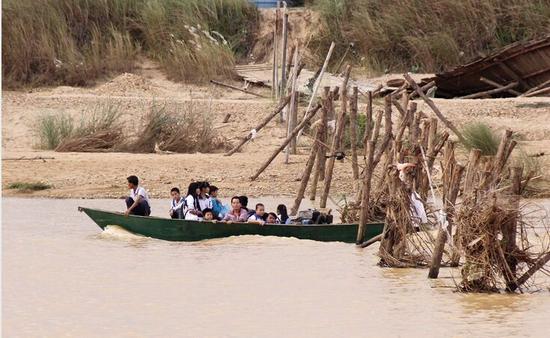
(192, 208)
(178, 203)
(205, 202)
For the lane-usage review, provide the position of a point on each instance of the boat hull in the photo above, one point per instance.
(182, 230)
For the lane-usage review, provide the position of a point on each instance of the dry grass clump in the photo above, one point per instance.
(29, 186)
(424, 35)
(74, 42)
(165, 128)
(99, 129)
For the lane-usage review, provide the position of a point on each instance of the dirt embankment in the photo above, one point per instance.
(99, 175)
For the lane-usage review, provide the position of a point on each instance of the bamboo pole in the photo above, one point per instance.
(432, 105)
(365, 194)
(319, 78)
(353, 133)
(259, 126)
(290, 123)
(299, 127)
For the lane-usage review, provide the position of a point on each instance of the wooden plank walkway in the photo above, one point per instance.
(262, 74)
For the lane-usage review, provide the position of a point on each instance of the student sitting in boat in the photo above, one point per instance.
(218, 208)
(178, 203)
(271, 218)
(138, 201)
(192, 208)
(283, 214)
(204, 200)
(259, 215)
(237, 213)
(208, 215)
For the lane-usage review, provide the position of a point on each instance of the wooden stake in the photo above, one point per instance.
(321, 150)
(305, 176)
(260, 126)
(509, 233)
(473, 162)
(365, 194)
(336, 140)
(284, 48)
(299, 127)
(353, 133)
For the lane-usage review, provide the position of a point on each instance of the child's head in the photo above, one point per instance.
(213, 191)
(205, 187)
(133, 181)
(260, 209)
(236, 203)
(281, 210)
(207, 214)
(175, 193)
(271, 218)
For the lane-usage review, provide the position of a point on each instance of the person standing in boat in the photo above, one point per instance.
(237, 213)
(192, 208)
(178, 203)
(138, 201)
(218, 208)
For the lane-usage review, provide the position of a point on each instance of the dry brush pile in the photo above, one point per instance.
(474, 205)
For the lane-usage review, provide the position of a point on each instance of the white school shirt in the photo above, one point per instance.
(177, 205)
(189, 203)
(205, 203)
(140, 191)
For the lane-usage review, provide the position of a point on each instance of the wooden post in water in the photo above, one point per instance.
(321, 149)
(353, 133)
(299, 127)
(365, 194)
(336, 140)
(509, 234)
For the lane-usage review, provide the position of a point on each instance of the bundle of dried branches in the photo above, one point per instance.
(99, 141)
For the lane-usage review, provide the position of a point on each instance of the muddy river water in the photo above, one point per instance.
(64, 277)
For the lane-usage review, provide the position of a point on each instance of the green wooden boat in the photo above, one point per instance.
(182, 230)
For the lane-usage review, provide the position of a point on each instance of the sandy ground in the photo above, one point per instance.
(95, 175)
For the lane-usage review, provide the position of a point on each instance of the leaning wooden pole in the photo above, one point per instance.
(306, 175)
(262, 124)
(299, 127)
(321, 149)
(434, 108)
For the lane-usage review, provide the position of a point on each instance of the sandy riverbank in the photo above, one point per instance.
(102, 175)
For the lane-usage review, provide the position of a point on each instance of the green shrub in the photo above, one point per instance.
(52, 129)
(478, 135)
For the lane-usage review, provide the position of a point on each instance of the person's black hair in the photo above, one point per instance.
(207, 210)
(244, 201)
(281, 209)
(133, 179)
(176, 189)
(237, 197)
(191, 190)
(204, 184)
(213, 188)
(259, 205)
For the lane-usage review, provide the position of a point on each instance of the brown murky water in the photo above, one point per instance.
(63, 277)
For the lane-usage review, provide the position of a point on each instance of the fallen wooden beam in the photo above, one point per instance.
(23, 158)
(236, 88)
(537, 92)
(490, 92)
(542, 85)
(498, 85)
